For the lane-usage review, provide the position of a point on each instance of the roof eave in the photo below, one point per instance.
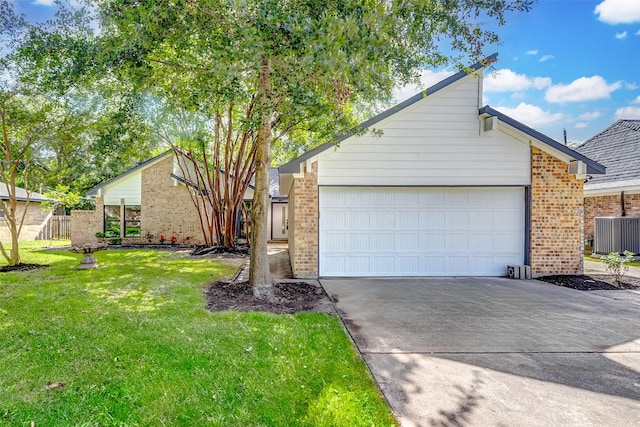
(95, 190)
(593, 168)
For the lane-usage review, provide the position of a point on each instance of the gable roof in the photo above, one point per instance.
(593, 167)
(21, 194)
(618, 148)
(273, 177)
(95, 190)
(294, 165)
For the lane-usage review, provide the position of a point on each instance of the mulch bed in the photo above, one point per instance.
(594, 282)
(292, 297)
(239, 250)
(22, 267)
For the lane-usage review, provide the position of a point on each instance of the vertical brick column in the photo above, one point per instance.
(556, 216)
(85, 224)
(303, 224)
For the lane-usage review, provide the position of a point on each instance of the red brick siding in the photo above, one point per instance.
(303, 224)
(167, 209)
(556, 217)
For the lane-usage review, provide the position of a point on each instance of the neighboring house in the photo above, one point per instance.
(450, 188)
(150, 200)
(35, 218)
(618, 192)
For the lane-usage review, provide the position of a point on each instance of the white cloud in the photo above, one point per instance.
(621, 36)
(44, 2)
(505, 80)
(546, 58)
(630, 86)
(590, 116)
(636, 101)
(427, 79)
(582, 89)
(531, 115)
(628, 113)
(618, 11)
(638, 33)
(581, 125)
(532, 52)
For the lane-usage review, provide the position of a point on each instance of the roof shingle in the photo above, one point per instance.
(617, 148)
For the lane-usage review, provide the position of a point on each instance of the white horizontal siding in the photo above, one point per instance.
(435, 142)
(129, 188)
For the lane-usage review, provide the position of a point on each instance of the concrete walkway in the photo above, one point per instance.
(601, 268)
(495, 352)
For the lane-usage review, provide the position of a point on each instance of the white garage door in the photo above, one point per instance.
(420, 231)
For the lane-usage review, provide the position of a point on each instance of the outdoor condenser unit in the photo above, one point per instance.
(616, 234)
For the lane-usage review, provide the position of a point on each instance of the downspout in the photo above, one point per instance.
(623, 213)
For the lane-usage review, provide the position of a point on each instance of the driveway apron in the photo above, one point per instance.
(495, 352)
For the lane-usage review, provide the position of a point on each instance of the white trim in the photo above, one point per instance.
(612, 188)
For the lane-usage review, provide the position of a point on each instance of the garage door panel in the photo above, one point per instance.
(482, 220)
(407, 220)
(456, 198)
(457, 220)
(432, 220)
(479, 242)
(456, 243)
(382, 264)
(420, 231)
(431, 198)
(407, 242)
(358, 220)
(432, 242)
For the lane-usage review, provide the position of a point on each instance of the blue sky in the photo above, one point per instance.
(566, 64)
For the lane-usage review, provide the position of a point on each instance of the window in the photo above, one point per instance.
(132, 221)
(112, 221)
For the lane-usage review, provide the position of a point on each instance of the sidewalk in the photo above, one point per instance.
(601, 268)
(627, 295)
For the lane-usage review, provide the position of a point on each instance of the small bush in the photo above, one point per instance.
(617, 264)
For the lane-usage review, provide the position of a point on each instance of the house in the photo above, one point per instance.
(450, 188)
(151, 200)
(618, 192)
(35, 217)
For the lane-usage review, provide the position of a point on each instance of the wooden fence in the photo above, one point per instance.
(58, 227)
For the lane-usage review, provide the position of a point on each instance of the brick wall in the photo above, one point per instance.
(556, 217)
(303, 224)
(167, 209)
(32, 222)
(608, 206)
(85, 224)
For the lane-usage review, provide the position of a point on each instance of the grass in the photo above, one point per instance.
(133, 346)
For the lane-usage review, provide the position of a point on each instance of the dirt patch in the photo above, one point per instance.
(292, 297)
(22, 267)
(594, 282)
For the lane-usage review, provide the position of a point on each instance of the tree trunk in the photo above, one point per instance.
(259, 276)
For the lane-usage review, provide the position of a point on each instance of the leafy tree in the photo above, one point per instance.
(300, 64)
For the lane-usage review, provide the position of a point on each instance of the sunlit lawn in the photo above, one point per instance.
(133, 346)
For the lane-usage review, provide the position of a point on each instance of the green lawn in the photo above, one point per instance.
(134, 346)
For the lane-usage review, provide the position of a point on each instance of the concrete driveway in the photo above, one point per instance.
(495, 352)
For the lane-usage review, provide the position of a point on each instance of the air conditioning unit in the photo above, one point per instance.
(577, 167)
(616, 234)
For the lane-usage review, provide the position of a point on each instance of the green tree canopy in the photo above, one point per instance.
(297, 65)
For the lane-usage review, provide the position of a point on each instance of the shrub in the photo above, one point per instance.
(617, 264)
